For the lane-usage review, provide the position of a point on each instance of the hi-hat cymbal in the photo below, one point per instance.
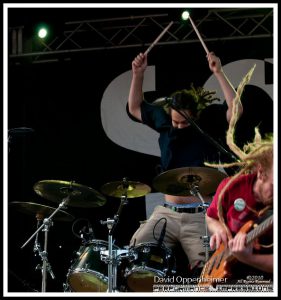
(79, 195)
(131, 189)
(179, 182)
(41, 211)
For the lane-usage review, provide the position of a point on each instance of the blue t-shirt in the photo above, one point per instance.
(187, 147)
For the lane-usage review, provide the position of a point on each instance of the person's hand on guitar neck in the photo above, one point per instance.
(238, 247)
(244, 253)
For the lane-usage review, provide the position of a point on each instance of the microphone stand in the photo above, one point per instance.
(208, 137)
(111, 225)
(44, 255)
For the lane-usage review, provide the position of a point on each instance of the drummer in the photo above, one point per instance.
(181, 145)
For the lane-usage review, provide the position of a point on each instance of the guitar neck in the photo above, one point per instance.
(259, 230)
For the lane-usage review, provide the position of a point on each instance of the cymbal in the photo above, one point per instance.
(41, 211)
(179, 182)
(131, 189)
(79, 195)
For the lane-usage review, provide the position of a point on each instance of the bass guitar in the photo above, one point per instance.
(218, 266)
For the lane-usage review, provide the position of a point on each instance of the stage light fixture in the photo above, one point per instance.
(42, 33)
(42, 30)
(185, 15)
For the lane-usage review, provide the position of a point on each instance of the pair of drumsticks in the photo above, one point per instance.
(167, 28)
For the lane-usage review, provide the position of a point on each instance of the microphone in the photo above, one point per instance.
(91, 231)
(162, 235)
(162, 101)
(82, 231)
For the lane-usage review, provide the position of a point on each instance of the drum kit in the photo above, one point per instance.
(101, 266)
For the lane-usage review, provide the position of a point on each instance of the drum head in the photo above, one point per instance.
(141, 281)
(87, 282)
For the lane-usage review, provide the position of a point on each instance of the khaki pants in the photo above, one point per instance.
(184, 228)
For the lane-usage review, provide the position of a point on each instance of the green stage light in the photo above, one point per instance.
(42, 30)
(42, 33)
(185, 15)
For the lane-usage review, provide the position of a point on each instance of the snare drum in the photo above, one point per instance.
(151, 260)
(88, 272)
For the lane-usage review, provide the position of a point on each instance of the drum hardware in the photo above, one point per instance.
(43, 254)
(123, 190)
(194, 191)
(47, 222)
(112, 256)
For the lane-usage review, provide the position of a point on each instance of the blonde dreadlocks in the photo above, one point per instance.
(258, 152)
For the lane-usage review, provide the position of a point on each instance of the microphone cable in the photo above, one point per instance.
(160, 239)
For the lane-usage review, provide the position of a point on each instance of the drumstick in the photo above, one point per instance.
(158, 38)
(199, 36)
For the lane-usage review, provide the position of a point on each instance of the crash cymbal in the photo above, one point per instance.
(79, 195)
(179, 182)
(132, 189)
(40, 211)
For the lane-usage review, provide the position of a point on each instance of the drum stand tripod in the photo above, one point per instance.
(113, 255)
(47, 222)
(194, 191)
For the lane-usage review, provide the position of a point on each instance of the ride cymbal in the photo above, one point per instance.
(180, 182)
(41, 211)
(131, 189)
(79, 195)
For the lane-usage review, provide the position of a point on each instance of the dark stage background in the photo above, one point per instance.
(61, 102)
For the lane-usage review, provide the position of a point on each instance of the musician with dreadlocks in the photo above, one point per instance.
(181, 145)
(243, 199)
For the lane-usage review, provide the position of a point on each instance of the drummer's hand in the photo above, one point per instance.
(139, 64)
(214, 62)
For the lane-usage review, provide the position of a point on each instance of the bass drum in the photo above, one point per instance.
(88, 272)
(151, 260)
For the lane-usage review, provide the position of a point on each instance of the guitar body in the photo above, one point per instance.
(218, 266)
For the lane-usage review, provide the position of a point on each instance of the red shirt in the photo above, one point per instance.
(241, 187)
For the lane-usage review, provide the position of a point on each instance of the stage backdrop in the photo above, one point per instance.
(81, 132)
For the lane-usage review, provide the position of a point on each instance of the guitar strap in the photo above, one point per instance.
(260, 212)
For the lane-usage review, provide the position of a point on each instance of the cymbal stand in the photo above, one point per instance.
(112, 257)
(47, 222)
(43, 255)
(194, 191)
